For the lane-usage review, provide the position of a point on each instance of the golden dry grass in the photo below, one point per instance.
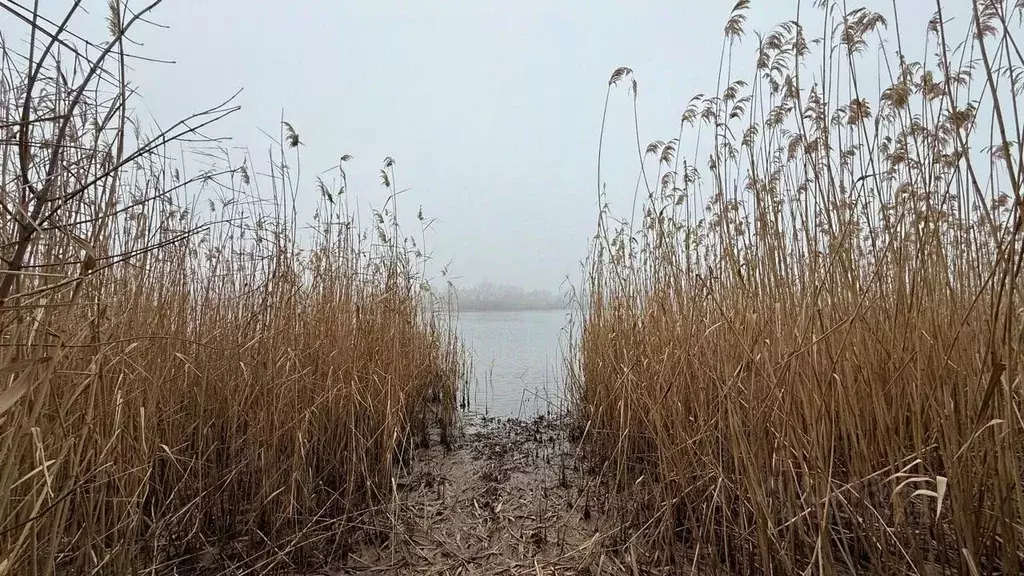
(808, 353)
(184, 381)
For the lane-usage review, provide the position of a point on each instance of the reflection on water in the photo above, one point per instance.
(517, 367)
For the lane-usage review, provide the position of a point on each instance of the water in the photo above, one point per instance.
(517, 366)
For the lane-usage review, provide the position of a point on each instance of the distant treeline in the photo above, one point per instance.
(491, 296)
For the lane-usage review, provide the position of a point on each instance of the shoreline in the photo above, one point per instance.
(509, 496)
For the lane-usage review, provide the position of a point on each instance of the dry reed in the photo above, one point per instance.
(185, 381)
(807, 357)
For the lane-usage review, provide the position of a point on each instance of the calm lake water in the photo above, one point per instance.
(517, 361)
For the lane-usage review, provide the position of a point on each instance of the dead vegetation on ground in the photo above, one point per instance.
(507, 497)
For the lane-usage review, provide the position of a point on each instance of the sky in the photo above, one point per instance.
(492, 111)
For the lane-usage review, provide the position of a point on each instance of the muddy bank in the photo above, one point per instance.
(507, 497)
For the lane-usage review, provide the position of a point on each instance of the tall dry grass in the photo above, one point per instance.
(185, 382)
(806, 357)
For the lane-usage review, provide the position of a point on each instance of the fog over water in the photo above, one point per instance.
(517, 363)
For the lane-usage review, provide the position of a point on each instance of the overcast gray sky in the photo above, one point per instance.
(491, 110)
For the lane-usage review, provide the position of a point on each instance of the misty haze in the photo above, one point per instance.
(530, 288)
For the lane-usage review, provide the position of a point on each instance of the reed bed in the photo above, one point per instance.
(191, 379)
(806, 355)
